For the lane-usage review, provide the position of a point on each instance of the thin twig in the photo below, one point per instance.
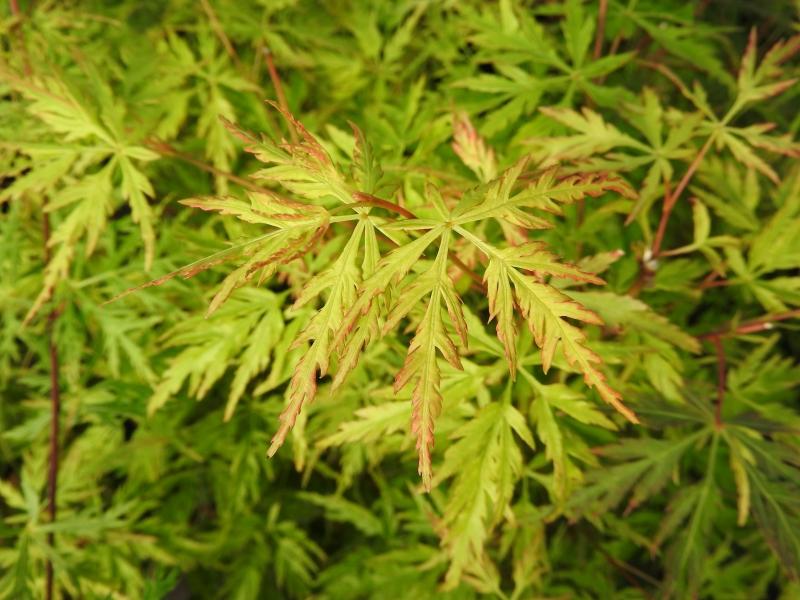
(476, 279)
(276, 83)
(721, 376)
(370, 200)
(615, 44)
(753, 326)
(671, 198)
(17, 14)
(220, 31)
(645, 272)
(707, 285)
(627, 572)
(715, 338)
(165, 149)
(601, 28)
(55, 412)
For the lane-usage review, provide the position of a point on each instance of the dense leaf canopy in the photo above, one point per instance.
(418, 298)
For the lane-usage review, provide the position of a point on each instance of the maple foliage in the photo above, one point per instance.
(307, 170)
(506, 292)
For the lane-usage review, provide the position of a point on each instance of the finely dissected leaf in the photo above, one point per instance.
(94, 147)
(304, 168)
(752, 81)
(485, 462)
(777, 245)
(550, 434)
(738, 456)
(776, 510)
(633, 313)
(696, 503)
(341, 282)
(340, 509)
(542, 306)
(421, 366)
(530, 257)
(772, 484)
(497, 200)
(373, 423)
(255, 358)
(135, 189)
(472, 149)
(425, 168)
(296, 228)
(366, 164)
(544, 309)
(595, 135)
(546, 412)
(239, 334)
(667, 141)
(649, 466)
(86, 220)
(360, 324)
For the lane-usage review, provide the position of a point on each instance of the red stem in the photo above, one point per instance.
(165, 149)
(754, 326)
(601, 28)
(276, 83)
(472, 274)
(671, 198)
(721, 376)
(220, 32)
(55, 411)
(371, 200)
(15, 11)
(715, 284)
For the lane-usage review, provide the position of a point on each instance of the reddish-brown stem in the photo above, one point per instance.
(701, 8)
(627, 571)
(601, 28)
(17, 14)
(615, 44)
(55, 412)
(667, 72)
(165, 149)
(671, 198)
(219, 31)
(640, 281)
(721, 375)
(645, 273)
(754, 326)
(276, 83)
(715, 284)
(469, 272)
(371, 200)
(709, 279)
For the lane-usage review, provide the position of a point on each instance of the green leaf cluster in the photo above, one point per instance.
(399, 299)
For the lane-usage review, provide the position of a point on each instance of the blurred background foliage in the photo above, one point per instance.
(110, 112)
